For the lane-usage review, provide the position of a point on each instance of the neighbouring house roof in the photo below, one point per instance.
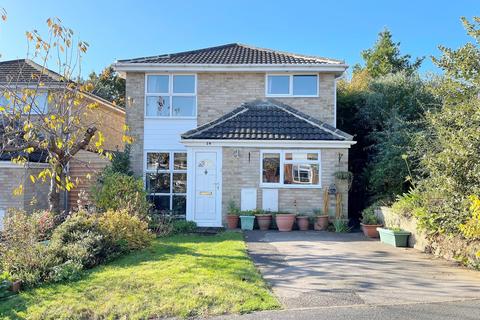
(233, 53)
(24, 72)
(267, 120)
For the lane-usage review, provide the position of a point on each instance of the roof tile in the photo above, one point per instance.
(233, 53)
(266, 120)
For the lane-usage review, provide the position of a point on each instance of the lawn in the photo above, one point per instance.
(177, 276)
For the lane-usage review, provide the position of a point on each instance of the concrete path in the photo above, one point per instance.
(326, 273)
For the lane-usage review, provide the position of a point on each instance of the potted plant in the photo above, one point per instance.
(341, 225)
(370, 223)
(394, 236)
(303, 222)
(285, 221)
(264, 219)
(247, 218)
(321, 220)
(232, 216)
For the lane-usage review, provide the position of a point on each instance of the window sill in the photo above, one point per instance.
(289, 96)
(286, 186)
(171, 118)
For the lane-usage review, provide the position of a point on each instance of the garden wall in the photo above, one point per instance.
(450, 247)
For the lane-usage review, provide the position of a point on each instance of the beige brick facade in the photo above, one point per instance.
(34, 195)
(135, 96)
(244, 172)
(219, 93)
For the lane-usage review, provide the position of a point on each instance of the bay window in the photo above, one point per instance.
(286, 168)
(292, 85)
(170, 95)
(166, 181)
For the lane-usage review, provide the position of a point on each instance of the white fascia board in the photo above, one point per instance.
(170, 67)
(326, 144)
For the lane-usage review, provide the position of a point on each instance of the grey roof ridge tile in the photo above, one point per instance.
(168, 55)
(173, 54)
(314, 121)
(212, 124)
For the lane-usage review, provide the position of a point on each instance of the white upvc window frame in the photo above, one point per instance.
(282, 153)
(170, 171)
(170, 94)
(290, 86)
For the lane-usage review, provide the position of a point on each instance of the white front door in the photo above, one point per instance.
(207, 189)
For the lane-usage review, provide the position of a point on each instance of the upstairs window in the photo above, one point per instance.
(38, 105)
(296, 85)
(168, 95)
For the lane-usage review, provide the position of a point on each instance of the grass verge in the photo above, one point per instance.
(182, 276)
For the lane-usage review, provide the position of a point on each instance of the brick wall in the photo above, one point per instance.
(34, 195)
(135, 95)
(219, 93)
(244, 172)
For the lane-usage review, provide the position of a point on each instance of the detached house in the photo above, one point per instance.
(236, 122)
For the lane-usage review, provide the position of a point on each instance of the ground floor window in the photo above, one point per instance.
(166, 181)
(290, 168)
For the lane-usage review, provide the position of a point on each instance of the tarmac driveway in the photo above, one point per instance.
(323, 269)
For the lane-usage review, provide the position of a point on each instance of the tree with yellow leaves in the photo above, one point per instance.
(69, 124)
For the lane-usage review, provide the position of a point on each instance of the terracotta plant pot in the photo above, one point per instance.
(264, 221)
(370, 230)
(232, 221)
(16, 286)
(321, 223)
(285, 221)
(302, 222)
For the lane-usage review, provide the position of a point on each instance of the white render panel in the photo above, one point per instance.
(248, 199)
(164, 134)
(270, 199)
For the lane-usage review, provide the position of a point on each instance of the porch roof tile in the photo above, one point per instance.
(266, 120)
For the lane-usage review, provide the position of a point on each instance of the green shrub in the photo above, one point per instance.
(341, 225)
(369, 217)
(233, 209)
(248, 212)
(5, 284)
(471, 228)
(183, 226)
(80, 239)
(125, 231)
(67, 271)
(119, 191)
(22, 256)
(160, 224)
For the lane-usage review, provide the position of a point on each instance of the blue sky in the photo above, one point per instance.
(337, 29)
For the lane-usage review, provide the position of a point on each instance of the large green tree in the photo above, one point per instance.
(385, 58)
(109, 85)
(449, 147)
(371, 108)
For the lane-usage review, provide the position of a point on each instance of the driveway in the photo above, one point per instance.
(347, 274)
